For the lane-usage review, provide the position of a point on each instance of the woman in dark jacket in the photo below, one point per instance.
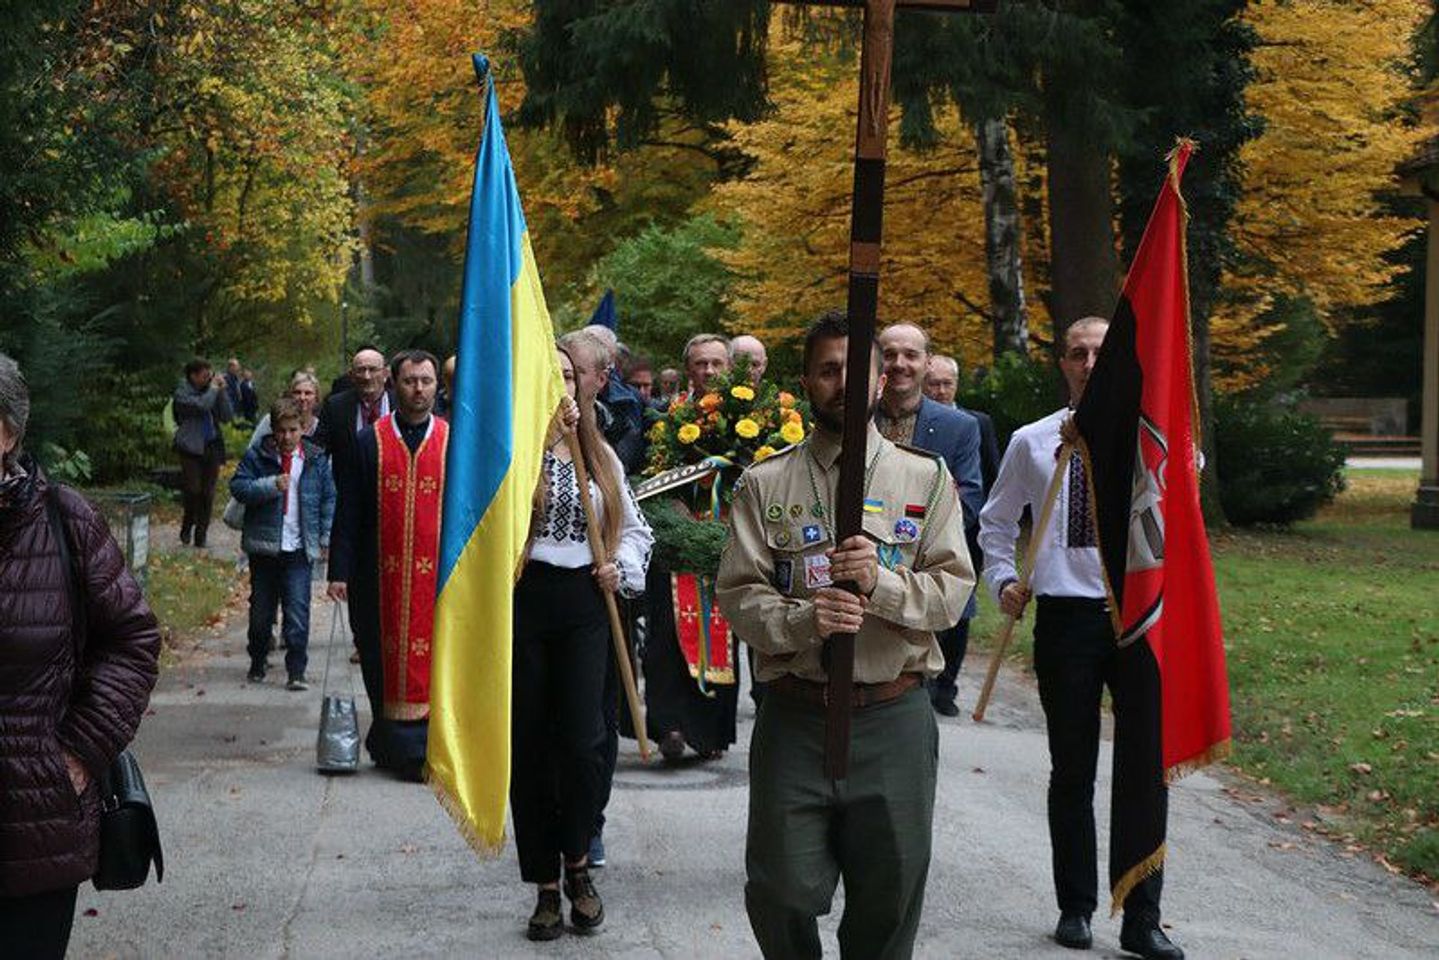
(68, 705)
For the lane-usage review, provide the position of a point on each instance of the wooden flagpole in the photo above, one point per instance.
(1006, 633)
(617, 630)
(866, 229)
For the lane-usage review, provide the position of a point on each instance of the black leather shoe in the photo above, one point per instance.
(672, 746)
(946, 708)
(1148, 941)
(1073, 932)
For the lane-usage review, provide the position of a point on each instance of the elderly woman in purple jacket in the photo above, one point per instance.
(68, 704)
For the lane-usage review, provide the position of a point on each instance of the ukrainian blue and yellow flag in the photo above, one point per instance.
(507, 385)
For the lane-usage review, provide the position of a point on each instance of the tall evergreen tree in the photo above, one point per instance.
(1186, 69)
(604, 71)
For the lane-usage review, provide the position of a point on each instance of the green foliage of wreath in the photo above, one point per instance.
(682, 543)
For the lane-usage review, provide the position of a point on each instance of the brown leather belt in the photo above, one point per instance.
(865, 694)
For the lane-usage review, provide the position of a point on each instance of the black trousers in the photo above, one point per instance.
(953, 643)
(37, 927)
(197, 489)
(1075, 658)
(610, 752)
(558, 729)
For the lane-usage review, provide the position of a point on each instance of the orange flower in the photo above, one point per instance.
(786, 400)
(710, 402)
(794, 416)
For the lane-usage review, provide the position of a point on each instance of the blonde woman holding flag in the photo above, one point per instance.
(561, 642)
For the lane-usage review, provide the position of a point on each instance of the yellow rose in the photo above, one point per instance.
(763, 452)
(658, 430)
(747, 428)
(741, 392)
(792, 432)
(688, 433)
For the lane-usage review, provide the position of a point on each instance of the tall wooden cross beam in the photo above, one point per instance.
(866, 220)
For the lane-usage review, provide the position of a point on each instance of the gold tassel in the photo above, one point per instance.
(1136, 875)
(1215, 753)
(481, 846)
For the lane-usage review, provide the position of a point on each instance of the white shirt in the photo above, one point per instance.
(290, 538)
(562, 537)
(1067, 564)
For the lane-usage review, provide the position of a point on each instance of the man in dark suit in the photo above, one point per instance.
(905, 415)
(941, 384)
(345, 413)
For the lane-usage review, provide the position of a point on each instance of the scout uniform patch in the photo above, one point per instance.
(816, 572)
(906, 529)
(784, 575)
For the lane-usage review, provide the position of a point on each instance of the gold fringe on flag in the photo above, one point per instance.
(1214, 754)
(463, 823)
(1136, 875)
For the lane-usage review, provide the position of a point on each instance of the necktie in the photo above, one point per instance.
(285, 460)
(370, 411)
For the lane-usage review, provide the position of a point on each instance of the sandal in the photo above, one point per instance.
(586, 910)
(548, 920)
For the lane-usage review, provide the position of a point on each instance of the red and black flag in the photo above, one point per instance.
(1138, 430)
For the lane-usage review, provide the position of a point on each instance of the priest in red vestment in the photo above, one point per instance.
(384, 559)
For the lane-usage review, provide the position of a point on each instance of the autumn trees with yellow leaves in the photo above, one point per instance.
(220, 175)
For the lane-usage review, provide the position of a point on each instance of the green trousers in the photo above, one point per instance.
(872, 828)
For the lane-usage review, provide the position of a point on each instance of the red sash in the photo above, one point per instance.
(702, 631)
(411, 490)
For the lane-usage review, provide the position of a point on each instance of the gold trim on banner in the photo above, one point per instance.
(1213, 754)
(462, 820)
(407, 711)
(1136, 875)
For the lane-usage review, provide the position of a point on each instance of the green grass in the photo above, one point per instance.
(1333, 638)
(188, 591)
(1332, 633)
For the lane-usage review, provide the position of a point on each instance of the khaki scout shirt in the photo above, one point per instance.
(773, 560)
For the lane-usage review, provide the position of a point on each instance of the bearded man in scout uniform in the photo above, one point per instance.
(384, 558)
(776, 587)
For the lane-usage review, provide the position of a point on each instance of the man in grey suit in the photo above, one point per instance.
(907, 416)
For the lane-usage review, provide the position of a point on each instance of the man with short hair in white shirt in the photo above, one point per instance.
(1075, 654)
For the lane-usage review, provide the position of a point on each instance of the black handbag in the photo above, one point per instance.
(129, 834)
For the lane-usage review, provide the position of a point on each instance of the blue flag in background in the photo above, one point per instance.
(604, 314)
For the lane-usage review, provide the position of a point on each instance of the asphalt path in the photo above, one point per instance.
(267, 858)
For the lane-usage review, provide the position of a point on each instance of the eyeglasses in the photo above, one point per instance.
(367, 371)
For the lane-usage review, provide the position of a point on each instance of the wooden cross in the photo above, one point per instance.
(866, 218)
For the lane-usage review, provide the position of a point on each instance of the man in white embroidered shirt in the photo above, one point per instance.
(1075, 654)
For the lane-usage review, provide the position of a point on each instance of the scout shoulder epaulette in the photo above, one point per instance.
(775, 456)
(919, 451)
